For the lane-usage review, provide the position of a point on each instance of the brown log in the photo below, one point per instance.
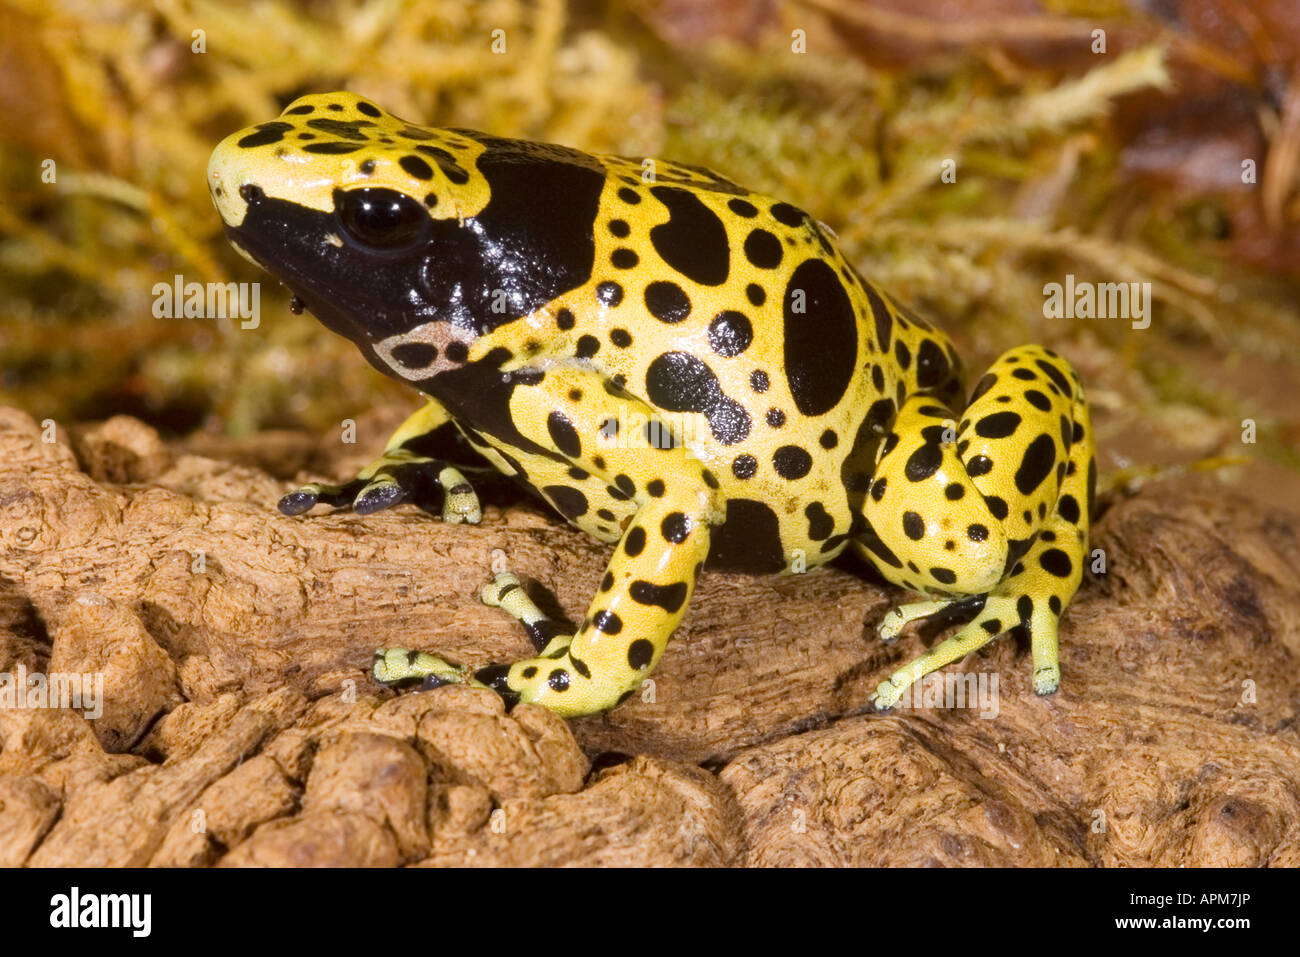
(240, 726)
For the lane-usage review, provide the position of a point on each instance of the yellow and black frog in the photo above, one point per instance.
(683, 368)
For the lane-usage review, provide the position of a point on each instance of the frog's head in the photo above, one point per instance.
(412, 242)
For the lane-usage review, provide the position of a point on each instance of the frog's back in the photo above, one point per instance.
(736, 316)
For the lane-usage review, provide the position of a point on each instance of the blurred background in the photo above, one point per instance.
(1115, 140)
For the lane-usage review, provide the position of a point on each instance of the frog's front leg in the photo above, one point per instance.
(402, 473)
(991, 513)
(578, 417)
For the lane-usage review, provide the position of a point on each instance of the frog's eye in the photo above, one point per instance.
(381, 218)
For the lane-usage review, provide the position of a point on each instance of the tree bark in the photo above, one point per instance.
(240, 726)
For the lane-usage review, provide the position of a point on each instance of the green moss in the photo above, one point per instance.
(1036, 193)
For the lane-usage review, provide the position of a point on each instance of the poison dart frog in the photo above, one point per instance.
(685, 369)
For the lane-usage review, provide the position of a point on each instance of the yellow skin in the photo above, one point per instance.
(683, 368)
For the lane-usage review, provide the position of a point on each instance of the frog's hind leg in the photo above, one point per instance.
(997, 506)
(942, 610)
(1033, 596)
(403, 473)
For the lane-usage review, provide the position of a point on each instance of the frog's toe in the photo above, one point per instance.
(298, 501)
(887, 695)
(891, 625)
(460, 503)
(501, 585)
(379, 495)
(307, 497)
(1047, 678)
(399, 666)
(391, 481)
(426, 483)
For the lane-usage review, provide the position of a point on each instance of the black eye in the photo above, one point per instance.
(383, 218)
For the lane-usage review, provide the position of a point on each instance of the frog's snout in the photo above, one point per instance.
(226, 186)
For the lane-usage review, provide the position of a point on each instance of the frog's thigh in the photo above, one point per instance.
(1033, 595)
(649, 580)
(928, 528)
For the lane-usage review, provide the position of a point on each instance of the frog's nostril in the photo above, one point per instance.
(250, 193)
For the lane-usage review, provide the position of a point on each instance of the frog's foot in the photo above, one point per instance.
(898, 618)
(945, 609)
(986, 626)
(561, 677)
(402, 666)
(396, 477)
(404, 473)
(506, 592)
(1012, 604)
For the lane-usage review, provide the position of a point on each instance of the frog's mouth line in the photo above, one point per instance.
(281, 272)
